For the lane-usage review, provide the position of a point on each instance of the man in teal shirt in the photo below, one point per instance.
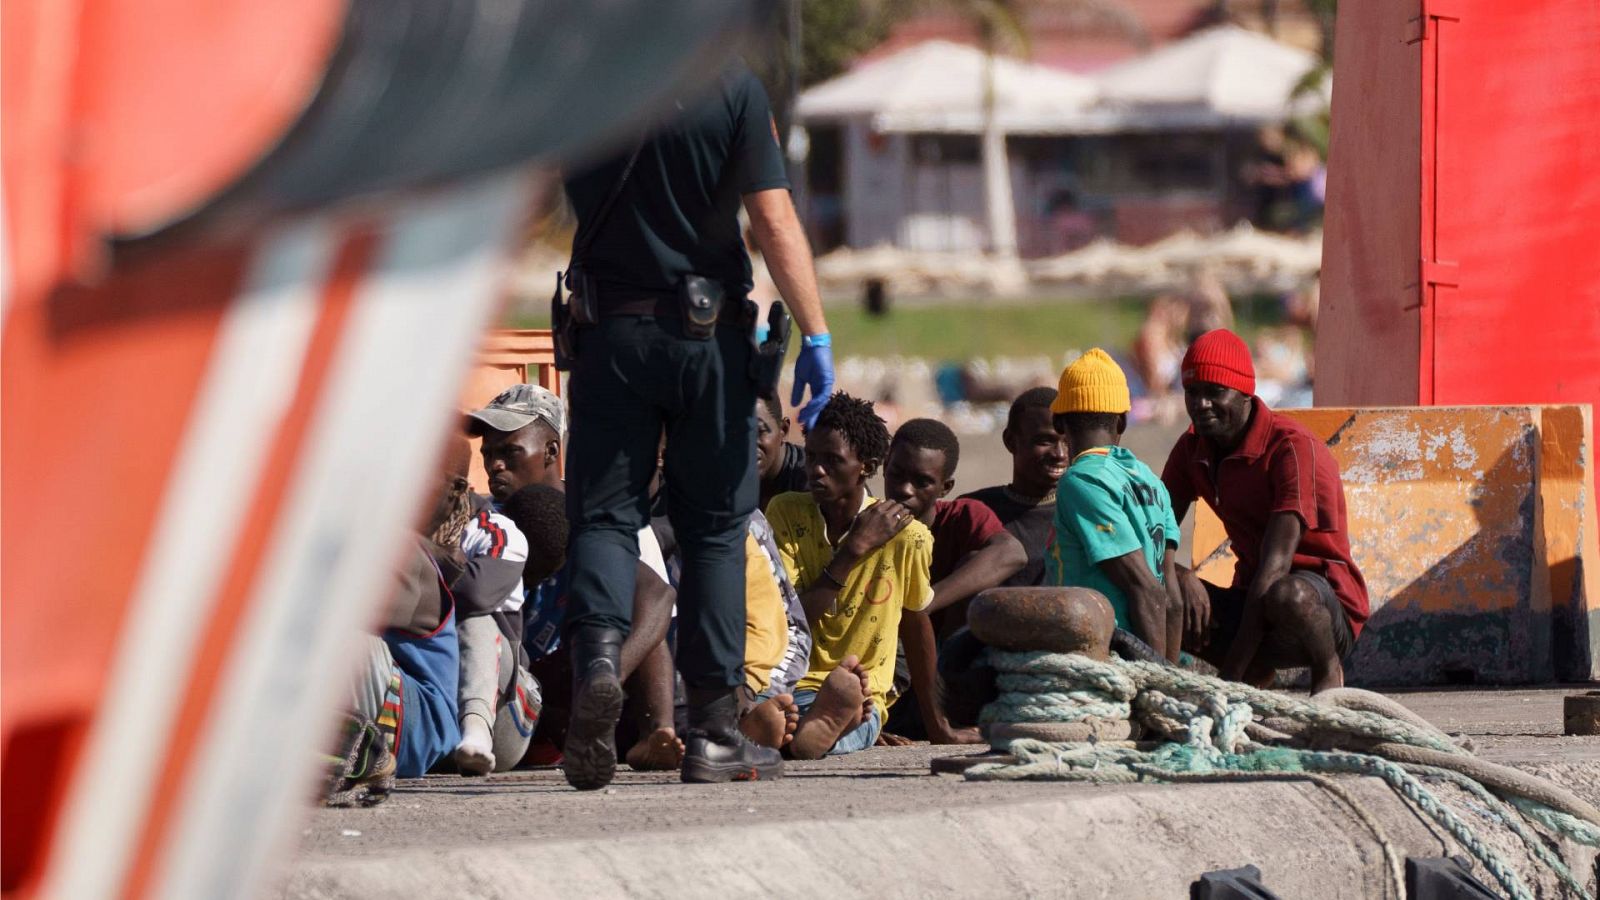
(1114, 528)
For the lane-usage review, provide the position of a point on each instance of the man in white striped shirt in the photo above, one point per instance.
(489, 596)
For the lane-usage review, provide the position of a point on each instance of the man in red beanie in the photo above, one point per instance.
(1297, 598)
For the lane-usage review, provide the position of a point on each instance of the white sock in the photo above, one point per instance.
(475, 754)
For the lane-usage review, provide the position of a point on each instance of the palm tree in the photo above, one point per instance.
(999, 25)
(1002, 28)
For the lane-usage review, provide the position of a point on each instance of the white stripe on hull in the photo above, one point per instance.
(249, 384)
(368, 463)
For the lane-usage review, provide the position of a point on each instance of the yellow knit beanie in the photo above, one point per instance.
(1094, 383)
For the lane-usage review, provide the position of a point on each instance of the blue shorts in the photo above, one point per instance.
(858, 738)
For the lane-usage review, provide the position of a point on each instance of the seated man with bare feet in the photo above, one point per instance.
(858, 563)
(972, 552)
(777, 645)
(645, 656)
(1297, 598)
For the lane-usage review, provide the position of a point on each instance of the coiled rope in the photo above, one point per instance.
(1208, 727)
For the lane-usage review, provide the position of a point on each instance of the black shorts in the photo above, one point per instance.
(1227, 609)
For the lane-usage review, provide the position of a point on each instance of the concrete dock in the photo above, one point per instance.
(879, 824)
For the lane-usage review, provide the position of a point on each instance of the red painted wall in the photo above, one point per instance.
(1462, 258)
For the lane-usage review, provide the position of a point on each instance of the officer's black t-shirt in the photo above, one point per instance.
(678, 213)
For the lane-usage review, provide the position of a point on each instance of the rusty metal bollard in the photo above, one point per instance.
(1055, 619)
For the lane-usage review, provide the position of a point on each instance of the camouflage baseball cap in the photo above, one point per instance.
(518, 406)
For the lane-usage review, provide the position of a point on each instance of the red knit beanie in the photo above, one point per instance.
(1220, 357)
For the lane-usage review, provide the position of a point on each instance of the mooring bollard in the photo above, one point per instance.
(1581, 713)
(1054, 620)
(1059, 620)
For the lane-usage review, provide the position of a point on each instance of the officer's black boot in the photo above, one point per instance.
(715, 750)
(591, 749)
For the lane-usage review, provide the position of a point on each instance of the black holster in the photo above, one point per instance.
(701, 299)
(766, 363)
(570, 310)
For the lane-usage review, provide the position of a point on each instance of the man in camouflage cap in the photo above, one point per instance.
(522, 431)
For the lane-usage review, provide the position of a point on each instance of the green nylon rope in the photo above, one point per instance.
(1205, 721)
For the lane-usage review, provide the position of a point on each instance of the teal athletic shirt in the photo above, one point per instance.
(1108, 504)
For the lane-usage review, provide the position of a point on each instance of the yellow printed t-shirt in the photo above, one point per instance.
(866, 618)
(766, 622)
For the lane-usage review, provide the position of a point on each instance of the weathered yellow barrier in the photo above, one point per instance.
(1476, 530)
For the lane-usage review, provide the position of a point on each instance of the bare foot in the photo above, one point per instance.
(837, 709)
(1328, 676)
(658, 751)
(771, 723)
(853, 664)
(885, 739)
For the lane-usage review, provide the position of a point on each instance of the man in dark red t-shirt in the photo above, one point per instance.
(972, 552)
(1297, 598)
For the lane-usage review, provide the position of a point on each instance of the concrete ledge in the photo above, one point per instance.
(1472, 526)
(877, 824)
(1077, 841)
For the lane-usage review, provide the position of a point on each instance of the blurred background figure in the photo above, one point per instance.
(1208, 305)
(1159, 345)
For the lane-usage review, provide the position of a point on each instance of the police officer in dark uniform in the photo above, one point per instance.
(661, 337)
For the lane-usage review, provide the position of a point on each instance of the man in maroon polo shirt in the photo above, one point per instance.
(972, 552)
(1297, 598)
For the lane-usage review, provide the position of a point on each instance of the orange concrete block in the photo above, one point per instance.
(1471, 525)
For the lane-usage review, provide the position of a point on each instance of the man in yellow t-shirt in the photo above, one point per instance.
(857, 562)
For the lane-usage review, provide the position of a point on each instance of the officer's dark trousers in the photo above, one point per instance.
(634, 377)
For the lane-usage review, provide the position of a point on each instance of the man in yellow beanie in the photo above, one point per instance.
(1114, 528)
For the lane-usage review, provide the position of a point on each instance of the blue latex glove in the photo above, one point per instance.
(813, 369)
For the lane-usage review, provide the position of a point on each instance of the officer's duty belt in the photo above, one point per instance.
(662, 306)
